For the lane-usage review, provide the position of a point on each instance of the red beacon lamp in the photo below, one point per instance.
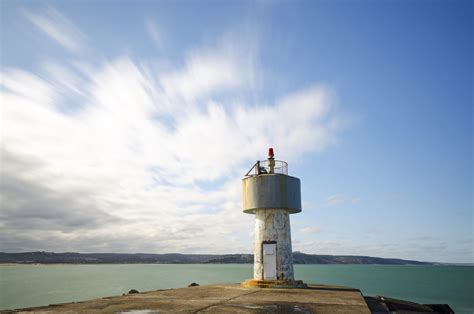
(271, 160)
(270, 152)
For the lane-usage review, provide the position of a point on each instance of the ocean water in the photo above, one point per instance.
(34, 285)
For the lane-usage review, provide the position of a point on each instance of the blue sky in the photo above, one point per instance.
(141, 118)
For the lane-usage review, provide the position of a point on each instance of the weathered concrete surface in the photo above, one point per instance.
(225, 299)
(280, 284)
(273, 225)
(271, 191)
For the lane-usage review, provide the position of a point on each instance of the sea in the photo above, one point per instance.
(34, 285)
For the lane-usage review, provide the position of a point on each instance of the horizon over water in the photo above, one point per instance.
(36, 285)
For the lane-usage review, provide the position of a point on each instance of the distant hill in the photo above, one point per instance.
(143, 258)
(301, 258)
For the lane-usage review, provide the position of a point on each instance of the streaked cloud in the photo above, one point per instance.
(310, 230)
(58, 28)
(145, 156)
(339, 199)
(156, 35)
(206, 72)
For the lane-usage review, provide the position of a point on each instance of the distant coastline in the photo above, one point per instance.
(175, 258)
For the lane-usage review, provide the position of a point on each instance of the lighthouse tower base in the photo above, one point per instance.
(282, 284)
(273, 257)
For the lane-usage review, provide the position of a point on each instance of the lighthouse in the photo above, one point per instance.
(272, 195)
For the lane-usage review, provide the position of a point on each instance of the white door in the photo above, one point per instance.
(269, 261)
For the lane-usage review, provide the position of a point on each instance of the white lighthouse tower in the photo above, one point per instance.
(272, 195)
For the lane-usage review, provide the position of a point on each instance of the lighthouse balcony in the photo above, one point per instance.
(268, 167)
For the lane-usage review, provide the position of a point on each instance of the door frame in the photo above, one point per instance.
(263, 259)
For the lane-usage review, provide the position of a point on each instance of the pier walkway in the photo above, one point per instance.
(225, 299)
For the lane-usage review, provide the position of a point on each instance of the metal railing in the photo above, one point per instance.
(263, 167)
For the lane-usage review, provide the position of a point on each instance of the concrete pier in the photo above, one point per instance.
(224, 299)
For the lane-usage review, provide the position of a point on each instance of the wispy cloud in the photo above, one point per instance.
(339, 199)
(310, 230)
(155, 33)
(153, 154)
(207, 72)
(58, 28)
